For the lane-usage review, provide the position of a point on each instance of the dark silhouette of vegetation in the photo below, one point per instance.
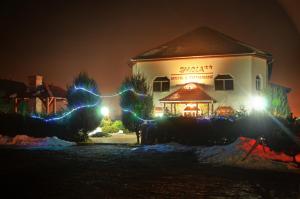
(85, 119)
(281, 135)
(141, 105)
(190, 131)
(277, 101)
(13, 124)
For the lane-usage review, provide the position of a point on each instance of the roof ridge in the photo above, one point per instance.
(48, 89)
(182, 89)
(201, 41)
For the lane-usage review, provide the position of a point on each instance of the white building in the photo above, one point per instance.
(203, 72)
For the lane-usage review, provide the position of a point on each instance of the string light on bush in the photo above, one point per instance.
(76, 88)
(55, 118)
(136, 115)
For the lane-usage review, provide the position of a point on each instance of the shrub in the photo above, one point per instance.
(136, 105)
(111, 127)
(190, 131)
(118, 125)
(280, 134)
(86, 119)
(13, 124)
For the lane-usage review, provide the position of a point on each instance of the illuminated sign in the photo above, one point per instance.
(193, 73)
(195, 69)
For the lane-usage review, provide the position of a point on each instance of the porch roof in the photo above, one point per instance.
(190, 92)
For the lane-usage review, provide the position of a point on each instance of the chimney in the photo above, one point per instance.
(35, 81)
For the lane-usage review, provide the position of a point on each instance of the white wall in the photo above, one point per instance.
(243, 69)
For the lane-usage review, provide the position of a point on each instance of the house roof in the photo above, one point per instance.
(188, 92)
(202, 41)
(9, 87)
(44, 91)
(285, 89)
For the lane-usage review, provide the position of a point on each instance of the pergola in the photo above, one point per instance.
(193, 97)
(49, 95)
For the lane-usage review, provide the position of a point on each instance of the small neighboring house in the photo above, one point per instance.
(36, 97)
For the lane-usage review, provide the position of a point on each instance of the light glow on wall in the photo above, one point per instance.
(104, 111)
(258, 103)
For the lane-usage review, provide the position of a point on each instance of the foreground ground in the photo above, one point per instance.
(115, 171)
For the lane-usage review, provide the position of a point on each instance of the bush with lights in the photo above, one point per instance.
(139, 105)
(87, 119)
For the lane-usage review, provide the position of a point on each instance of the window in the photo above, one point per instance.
(161, 84)
(258, 83)
(223, 82)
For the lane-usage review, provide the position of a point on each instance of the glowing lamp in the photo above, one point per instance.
(159, 114)
(104, 111)
(258, 103)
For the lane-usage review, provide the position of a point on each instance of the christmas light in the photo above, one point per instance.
(55, 118)
(76, 88)
(136, 116)
(109, 96)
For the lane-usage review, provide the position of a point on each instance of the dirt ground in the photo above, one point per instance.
(116, 138)
(116, 171)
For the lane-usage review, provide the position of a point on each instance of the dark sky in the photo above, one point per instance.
(59, 39)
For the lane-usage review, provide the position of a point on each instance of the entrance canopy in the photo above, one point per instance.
(190, 92)
(189, 100)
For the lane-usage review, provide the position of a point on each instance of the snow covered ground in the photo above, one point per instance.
(24, 141)
(231, 155)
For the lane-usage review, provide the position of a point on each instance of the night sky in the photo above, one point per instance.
(59, 39)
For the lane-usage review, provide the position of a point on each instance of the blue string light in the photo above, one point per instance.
(109, 96)
(135, 115)
(55, 118)
(78, 88)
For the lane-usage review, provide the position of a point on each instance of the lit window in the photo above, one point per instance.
(258, 84)
(161, 84)
(224, 82)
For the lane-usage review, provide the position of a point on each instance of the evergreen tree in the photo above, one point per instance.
(277, 101)
(142, 106)
(85, 119)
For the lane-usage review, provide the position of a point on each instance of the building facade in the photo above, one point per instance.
(203, 72)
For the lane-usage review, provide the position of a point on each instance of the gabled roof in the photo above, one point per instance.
(202, 41)
(44, 91)
(285, 89)
(190, 92)
(9, 87)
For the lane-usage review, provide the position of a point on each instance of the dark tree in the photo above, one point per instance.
(141, 106)
(87, 118)
(278, 101)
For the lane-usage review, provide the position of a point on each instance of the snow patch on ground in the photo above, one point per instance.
(162, 148)
(24, 141)
(233, 154)
(95, 131)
